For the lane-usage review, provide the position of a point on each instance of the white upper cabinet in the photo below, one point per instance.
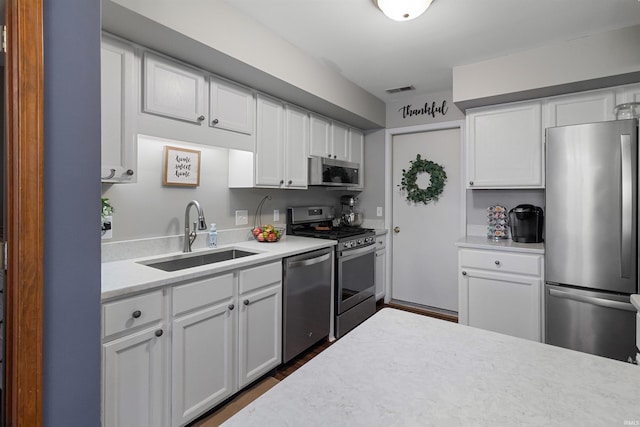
(505, 146)
(629, 93)
(588, 107)
(320, 136)
(231, 107)
(339, 142)
(282, 139)
(118, 111)
(295, 147)
(173, 90)
(269, 155)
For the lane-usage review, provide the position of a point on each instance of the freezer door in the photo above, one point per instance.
(591, 322)
(591, 205)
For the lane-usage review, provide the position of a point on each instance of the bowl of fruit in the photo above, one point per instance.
(267, 233)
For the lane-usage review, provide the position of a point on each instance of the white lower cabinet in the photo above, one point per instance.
(202, 346)
(225, 333)
(501, 291)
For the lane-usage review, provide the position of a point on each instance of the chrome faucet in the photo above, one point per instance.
(201, 224)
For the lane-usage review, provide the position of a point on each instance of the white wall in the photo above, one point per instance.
(601, 60)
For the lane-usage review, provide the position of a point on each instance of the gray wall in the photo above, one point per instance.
(71, 392)
(149, 209)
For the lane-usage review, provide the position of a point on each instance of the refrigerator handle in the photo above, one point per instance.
(627, 206)
(593, 300)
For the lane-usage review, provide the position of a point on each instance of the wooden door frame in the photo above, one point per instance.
(24, 219)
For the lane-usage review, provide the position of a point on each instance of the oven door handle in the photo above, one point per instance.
(350, 253)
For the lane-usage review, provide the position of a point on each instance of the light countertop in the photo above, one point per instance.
(635, 300)
(120, 278)
(481, 242)
(403, 369)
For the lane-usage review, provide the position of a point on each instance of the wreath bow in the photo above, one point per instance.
(410, 176)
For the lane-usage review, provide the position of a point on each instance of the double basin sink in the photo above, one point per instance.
(180, 262)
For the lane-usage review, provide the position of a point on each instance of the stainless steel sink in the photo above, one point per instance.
(180, 262)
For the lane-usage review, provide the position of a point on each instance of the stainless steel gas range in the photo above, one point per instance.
(354, 262)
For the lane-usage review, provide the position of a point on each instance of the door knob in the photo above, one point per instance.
(396, 229)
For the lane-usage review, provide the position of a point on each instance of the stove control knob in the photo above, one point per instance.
(359, 241)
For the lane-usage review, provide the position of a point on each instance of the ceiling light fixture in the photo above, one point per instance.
(403, 10)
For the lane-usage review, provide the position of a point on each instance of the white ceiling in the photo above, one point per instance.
(356, 40)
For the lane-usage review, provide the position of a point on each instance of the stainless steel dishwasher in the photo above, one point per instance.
(306, 301)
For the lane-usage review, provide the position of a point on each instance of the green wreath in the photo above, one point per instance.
(436, 184)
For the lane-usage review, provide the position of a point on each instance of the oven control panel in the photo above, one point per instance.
(357, 242)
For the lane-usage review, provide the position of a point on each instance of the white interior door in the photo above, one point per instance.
(424, 258)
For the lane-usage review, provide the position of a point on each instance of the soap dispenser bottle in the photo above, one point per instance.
(213, 236)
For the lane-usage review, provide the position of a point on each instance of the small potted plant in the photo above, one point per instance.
(105, 214)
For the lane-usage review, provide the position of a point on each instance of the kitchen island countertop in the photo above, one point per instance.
(403, 369)
(121, 278)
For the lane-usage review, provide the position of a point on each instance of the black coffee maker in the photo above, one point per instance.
(525, 222)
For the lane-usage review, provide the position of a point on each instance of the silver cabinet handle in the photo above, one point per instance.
(470, 182)
(464, 273)
(231, 306)
(496, 262)
(159, 332)
(201, 118)
(129, 172)
(245, 302)
(215, 121)
(136, 314)
(396, 229)
(111, 175)
(290, 182)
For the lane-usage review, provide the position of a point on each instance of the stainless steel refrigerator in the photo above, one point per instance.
(591, 249)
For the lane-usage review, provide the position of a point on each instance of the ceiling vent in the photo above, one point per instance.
(400, 89)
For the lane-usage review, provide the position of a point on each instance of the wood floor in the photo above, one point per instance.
(227, 409)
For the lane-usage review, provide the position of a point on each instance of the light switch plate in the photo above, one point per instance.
(242, 217)
(379, 211)
(276, 215)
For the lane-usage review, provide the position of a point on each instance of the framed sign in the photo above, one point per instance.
(181, 167)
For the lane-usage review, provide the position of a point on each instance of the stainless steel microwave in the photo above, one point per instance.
(333, 173)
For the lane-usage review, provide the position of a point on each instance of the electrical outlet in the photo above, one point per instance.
(242, 217)
(379, 211)
(276, 215)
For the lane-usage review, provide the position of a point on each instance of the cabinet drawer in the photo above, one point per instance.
(507, 262)
(381, 242)
(202, 293)
(257, 277)
(131, 313)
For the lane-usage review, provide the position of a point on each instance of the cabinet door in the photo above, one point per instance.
(173, 90)
(504, 147)
(295, 148)
(320, 136)
(260, 333)
(202, 364)
(118, 111)
(269, 158)
(505, 303)
(339, 142)
(628, 93)
(134, 380)
(231, 107)
(588, 107)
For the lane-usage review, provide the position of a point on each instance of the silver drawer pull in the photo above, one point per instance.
(496, 262)
(136, 314)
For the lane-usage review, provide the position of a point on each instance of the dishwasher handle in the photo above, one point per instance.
(309, 261)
